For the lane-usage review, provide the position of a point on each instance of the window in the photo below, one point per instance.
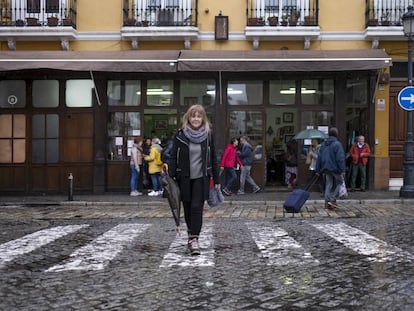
(12, 138)
(39, 9)
(164, 12)
(12, 94)
(245, 93)
(197, 92)
(247, 123)
(37, 6)
(124, 93)
(357, 92)
(79, 93)
(282, 92)
(160, 92)
(317, 92)
(280, 8)
(45, 93)
(122, 128)
(45, 138)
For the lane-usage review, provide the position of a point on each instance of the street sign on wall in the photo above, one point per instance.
(406, 98)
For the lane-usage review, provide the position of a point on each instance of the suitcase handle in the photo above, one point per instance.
(311, 182)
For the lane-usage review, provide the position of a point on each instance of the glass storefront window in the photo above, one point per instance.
(250, 124)
(357, 92)
(197, 92)
(245, 93)
(12, 94)
(160, 92)
(45, 93)
(122, 128)
(45, 138)
(316, 118)
(12, 138)
(317, 92)
(124, 93)
(282, 92)
(79, 93)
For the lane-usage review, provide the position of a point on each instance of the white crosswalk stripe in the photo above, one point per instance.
(178, 256)
(30, 242)
(97, 254)
(363, 243)
(278, 247)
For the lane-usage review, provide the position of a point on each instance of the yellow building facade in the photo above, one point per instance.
(80, 79)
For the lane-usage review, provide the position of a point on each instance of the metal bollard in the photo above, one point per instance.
(70, 187)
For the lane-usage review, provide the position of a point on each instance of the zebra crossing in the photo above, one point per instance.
(276, 247)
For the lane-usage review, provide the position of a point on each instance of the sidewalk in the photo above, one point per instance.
(266, 196)
(268, 203)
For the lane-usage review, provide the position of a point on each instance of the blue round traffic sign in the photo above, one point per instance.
(406, 98)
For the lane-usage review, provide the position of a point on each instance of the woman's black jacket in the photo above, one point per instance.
(179, 167)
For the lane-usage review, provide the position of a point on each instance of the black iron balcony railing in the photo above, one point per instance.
(385, 12)
(49, 13)
(282, 12)
(160, 13)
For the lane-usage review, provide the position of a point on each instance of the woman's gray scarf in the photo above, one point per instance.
(195, 136)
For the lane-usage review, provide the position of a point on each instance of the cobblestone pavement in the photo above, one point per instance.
(246, 264)
(125, 254)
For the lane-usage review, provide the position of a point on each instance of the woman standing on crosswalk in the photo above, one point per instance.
(193, 162)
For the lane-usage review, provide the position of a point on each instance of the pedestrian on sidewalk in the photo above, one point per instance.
(193, 163)
(155, 167)
(246, 157)
(229, 161)
(331, 163)
(291, 164)
(360, 153)
(146, 178)
(135, 164)
(311, 159)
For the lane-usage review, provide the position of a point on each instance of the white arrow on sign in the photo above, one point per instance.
(411, 98)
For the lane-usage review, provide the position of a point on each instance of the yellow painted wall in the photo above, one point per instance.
(342, 15)
(99, 15)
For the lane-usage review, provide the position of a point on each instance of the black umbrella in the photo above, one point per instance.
(172, 192)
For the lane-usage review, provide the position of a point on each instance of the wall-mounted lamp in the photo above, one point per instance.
(221, 27)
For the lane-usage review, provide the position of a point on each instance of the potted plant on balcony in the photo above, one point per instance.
(255, 21)
(385, 18)
(284, 21)
(52, 21)
(310, 20)
(19, 23)
(32, 21)
(130, 21)
(273, 20)
(294, 17)
(373, 21)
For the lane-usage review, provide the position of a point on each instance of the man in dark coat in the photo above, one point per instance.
(331, 163)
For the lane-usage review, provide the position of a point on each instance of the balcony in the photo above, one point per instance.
(281, 20)
(383, 20)
(169, 20)
(45, 21)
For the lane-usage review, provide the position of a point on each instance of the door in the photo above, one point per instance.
(38, 9)
(398, 126)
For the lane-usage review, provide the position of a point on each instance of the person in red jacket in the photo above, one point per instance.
(228, 161)
(360, 153)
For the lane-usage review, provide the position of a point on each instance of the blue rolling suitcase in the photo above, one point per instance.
(298, 197)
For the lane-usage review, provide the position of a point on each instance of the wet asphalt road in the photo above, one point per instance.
(246, 264)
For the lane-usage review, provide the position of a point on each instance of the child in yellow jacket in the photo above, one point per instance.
(155, 167)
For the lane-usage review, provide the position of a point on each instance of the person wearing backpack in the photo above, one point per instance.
(155, 167)
(166, 151)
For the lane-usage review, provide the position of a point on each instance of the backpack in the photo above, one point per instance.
(166, 152)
